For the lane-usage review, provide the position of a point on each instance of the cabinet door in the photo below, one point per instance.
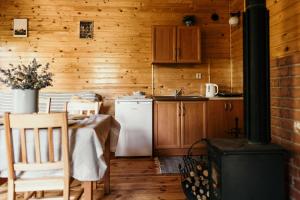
(188, 44)
(216, 119)
(192, 122)
(167, 124)
(164, 44)
(221, 115)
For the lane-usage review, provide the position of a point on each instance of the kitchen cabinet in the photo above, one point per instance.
(188, 44)
(222, 115)
(177, 125)
(164, 44)
(192, 122)
(172, 44)
(167, 124)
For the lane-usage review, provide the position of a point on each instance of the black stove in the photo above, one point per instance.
(252, 168)
(243, 171)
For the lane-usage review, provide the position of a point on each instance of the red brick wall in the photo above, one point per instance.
(285, 80)
(285, 83)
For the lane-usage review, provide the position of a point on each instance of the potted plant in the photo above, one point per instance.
(25, 82)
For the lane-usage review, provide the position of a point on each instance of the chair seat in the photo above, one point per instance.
(40, 174)
(39, 184)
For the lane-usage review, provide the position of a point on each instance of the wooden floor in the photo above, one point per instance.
(136, 179)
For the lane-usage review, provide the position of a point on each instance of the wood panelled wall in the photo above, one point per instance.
(285, 79)
(117, 60)
(237, 48)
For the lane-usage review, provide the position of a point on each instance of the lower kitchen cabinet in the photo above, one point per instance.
(167, 124)
(192, 122)
(223, 116)
(177, 125)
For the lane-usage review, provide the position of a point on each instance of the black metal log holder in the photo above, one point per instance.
(194, 176)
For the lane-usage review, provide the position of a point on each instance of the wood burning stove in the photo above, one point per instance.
(253, 168)
(242, 171)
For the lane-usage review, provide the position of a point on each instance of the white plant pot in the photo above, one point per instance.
(25, 101)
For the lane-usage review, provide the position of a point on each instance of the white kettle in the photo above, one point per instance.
(211, 89)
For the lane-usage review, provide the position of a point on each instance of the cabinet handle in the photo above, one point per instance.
(174, 53)
(183, 112)
(179, 108)
(225, 107)
(230, 107)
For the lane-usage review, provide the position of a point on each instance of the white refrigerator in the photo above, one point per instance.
(135, 118)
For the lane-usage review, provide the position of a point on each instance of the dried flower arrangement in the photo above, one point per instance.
(33, 76)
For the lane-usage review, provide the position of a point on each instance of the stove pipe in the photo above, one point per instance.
(256, 72)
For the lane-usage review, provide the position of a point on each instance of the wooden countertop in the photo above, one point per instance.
(192, 98)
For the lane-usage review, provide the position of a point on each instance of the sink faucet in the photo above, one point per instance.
(178, 92)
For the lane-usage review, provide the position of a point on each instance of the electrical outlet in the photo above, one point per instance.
(198, 75)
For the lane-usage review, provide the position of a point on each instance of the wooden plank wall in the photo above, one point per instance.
(285, 79)
(117, 61)
(284, 31)
(237, 48)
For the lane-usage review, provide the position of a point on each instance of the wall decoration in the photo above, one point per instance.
(234, 18)
(86, 29)
(215, 17)
(20, 28)
(189, 20)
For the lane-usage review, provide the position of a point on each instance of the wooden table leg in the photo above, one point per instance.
(88, 190)
(107, 160)
(88, 185)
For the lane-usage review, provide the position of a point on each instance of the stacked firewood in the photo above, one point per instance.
(195, 178)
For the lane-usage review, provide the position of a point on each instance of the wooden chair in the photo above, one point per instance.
(46, 104)
(88, 108)
(23, 122)
(82, 108)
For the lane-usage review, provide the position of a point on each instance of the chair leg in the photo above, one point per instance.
(11, 195)
(88, 189)
(95, 185)
(66, 191)
(107, 160)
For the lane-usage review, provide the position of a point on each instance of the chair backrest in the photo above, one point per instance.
(58, 99)
(83, 108)
(44, 105)
(28, 123)
(6, 98)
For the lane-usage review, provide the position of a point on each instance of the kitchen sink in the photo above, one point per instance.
(180, 98)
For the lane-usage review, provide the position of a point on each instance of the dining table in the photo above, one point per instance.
(89, 145)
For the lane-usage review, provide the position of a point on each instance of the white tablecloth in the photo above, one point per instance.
(87, 143)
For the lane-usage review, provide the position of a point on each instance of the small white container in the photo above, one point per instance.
(211, 89)
(25, 101)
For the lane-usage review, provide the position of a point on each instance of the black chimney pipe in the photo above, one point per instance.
(257, 72)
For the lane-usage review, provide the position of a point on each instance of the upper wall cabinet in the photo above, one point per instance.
(172, 44)
(164, 44)
(188, 44)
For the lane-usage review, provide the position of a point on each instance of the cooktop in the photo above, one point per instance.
(229, 94)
